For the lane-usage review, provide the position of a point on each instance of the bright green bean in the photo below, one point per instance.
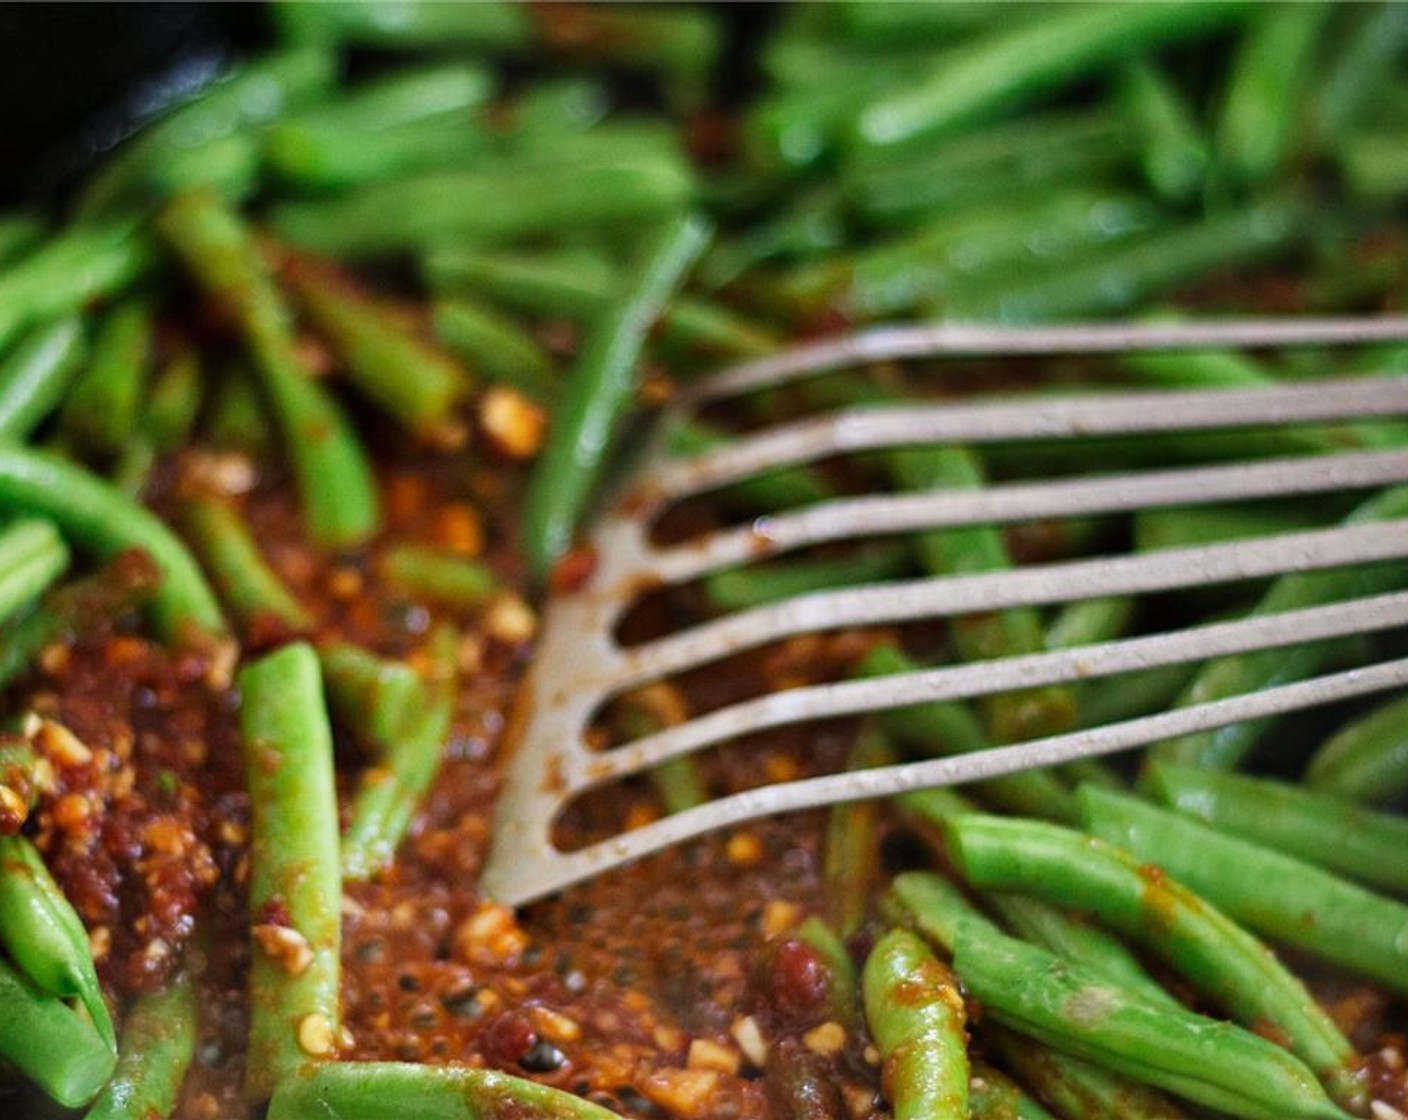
(45, 1040)
(1367, 759)
(377, 1090)
(158, 1043)
(1357, 843)
(422, 571)
(994, 1096)
(1203, 944)
(851, 860)
(598, 395)
(246, 583)
(96, 516)
(18, 234)
(494, 345)
(101, 407)
(1215, 1064)
(1271, 893)
(1172, 152)
(915, 1012)
(35, 375)
(32, 556)
(1353, 80)
(741, 588)
(295, 886)
(334, 479)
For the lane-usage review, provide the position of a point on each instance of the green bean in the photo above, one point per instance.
(1357, 843)
(948, 727)
(376, 1090)
(36, 374)
(936, 908)
(1367, 759)
(1075, 1089)
(101, 407)
(1270, 893)
(483, 207)
(69, 271)
(413, 381)
(1089, 621)
(228, 167)
(812, 224)
(334, 479)
(437, 90)
(648, 711)
(45, 1041)
(494, 345)
(1172, 153)
(375, 699)
(1214, 1064)
(1372, 163)
(851, 860)
(740, 588)
(1261, 113)
(32, 556)
(98, 517)
(927, 265)
(550, 285)
(1012, 65)
(1199, 941)
(1351, 82)
(1026, 158)
(993, 1096)
(1008, 717)
(902, 25)
(493, 25)
(1127, 273)
(1127, 695)
(131, 580)
(420, 571)
(295, 889)
(916, 1015)
(1080, 942)
(599, 393)
(1156, 529)
(158, 1043)
(248, 586)
(238, 420)
(44, 935)
(18, 234)
(1229, 676)
(247, 98)
(390, 791)
(166, 421)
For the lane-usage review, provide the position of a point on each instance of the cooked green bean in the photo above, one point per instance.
(413, 381)
(764, 493)
(238, 420)
(994, 1096)
(559, 284)
(158, 1043)
(166, 421)
(851, 860)
(100, 409)
(69, 271)
(96, 516)
(18, 234)
(377, 1090)
(243, 578)
(1351, 82)
(495, 24)
(1367, 759)
(648, 711)
(1073, 1088)
(45, 936)
(1173, 154)
(1203, 944)
(32, 556)
(1215, 1064)
(1012, 64)
(430, 573)
(494, 345)
(374, 698)
(46, 1041)
(915, 1012)
(482, 206)
(334, 478)
(1355, 842)
(248, 97)
(1126, 273)
(1074, 940)
(295, 886)
(1234, 675)
(753, 586)
(945, 727)
(598, 394)
(1262, 110)
(1276, 895)
(36, 374)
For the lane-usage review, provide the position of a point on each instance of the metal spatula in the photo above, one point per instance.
(580, 665)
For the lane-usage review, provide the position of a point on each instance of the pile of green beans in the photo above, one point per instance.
(450, 234)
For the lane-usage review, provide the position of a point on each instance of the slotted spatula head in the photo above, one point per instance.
(581, 664)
